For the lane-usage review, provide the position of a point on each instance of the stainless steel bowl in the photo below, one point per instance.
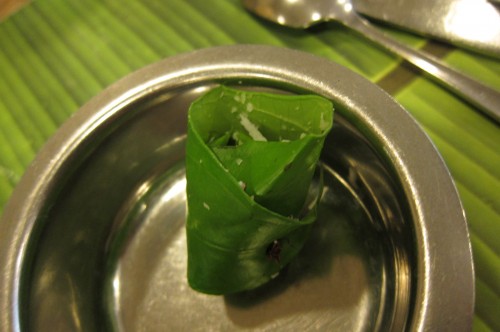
(93, 236)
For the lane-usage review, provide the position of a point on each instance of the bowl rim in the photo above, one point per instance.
(445, 275)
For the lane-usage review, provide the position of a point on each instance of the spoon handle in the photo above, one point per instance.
(481, 96)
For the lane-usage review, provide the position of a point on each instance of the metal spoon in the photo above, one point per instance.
(304, 13)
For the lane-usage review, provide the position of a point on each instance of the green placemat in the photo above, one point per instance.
(56, 54)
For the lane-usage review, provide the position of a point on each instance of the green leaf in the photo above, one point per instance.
(250, 161)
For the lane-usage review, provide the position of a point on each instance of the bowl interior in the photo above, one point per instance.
(110, 248)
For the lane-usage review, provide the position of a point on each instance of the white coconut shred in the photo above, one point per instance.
(252, 129)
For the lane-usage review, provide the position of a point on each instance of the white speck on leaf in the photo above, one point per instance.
(206, 206)
(240, 98)
(323, 124)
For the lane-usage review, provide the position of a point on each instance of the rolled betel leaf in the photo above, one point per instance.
(250, 161)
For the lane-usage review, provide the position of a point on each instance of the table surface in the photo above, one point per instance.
(56, 54)
(8, 7)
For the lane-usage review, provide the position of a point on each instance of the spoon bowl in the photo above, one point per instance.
(300, 13)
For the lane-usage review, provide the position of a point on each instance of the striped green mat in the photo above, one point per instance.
(56, 54)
